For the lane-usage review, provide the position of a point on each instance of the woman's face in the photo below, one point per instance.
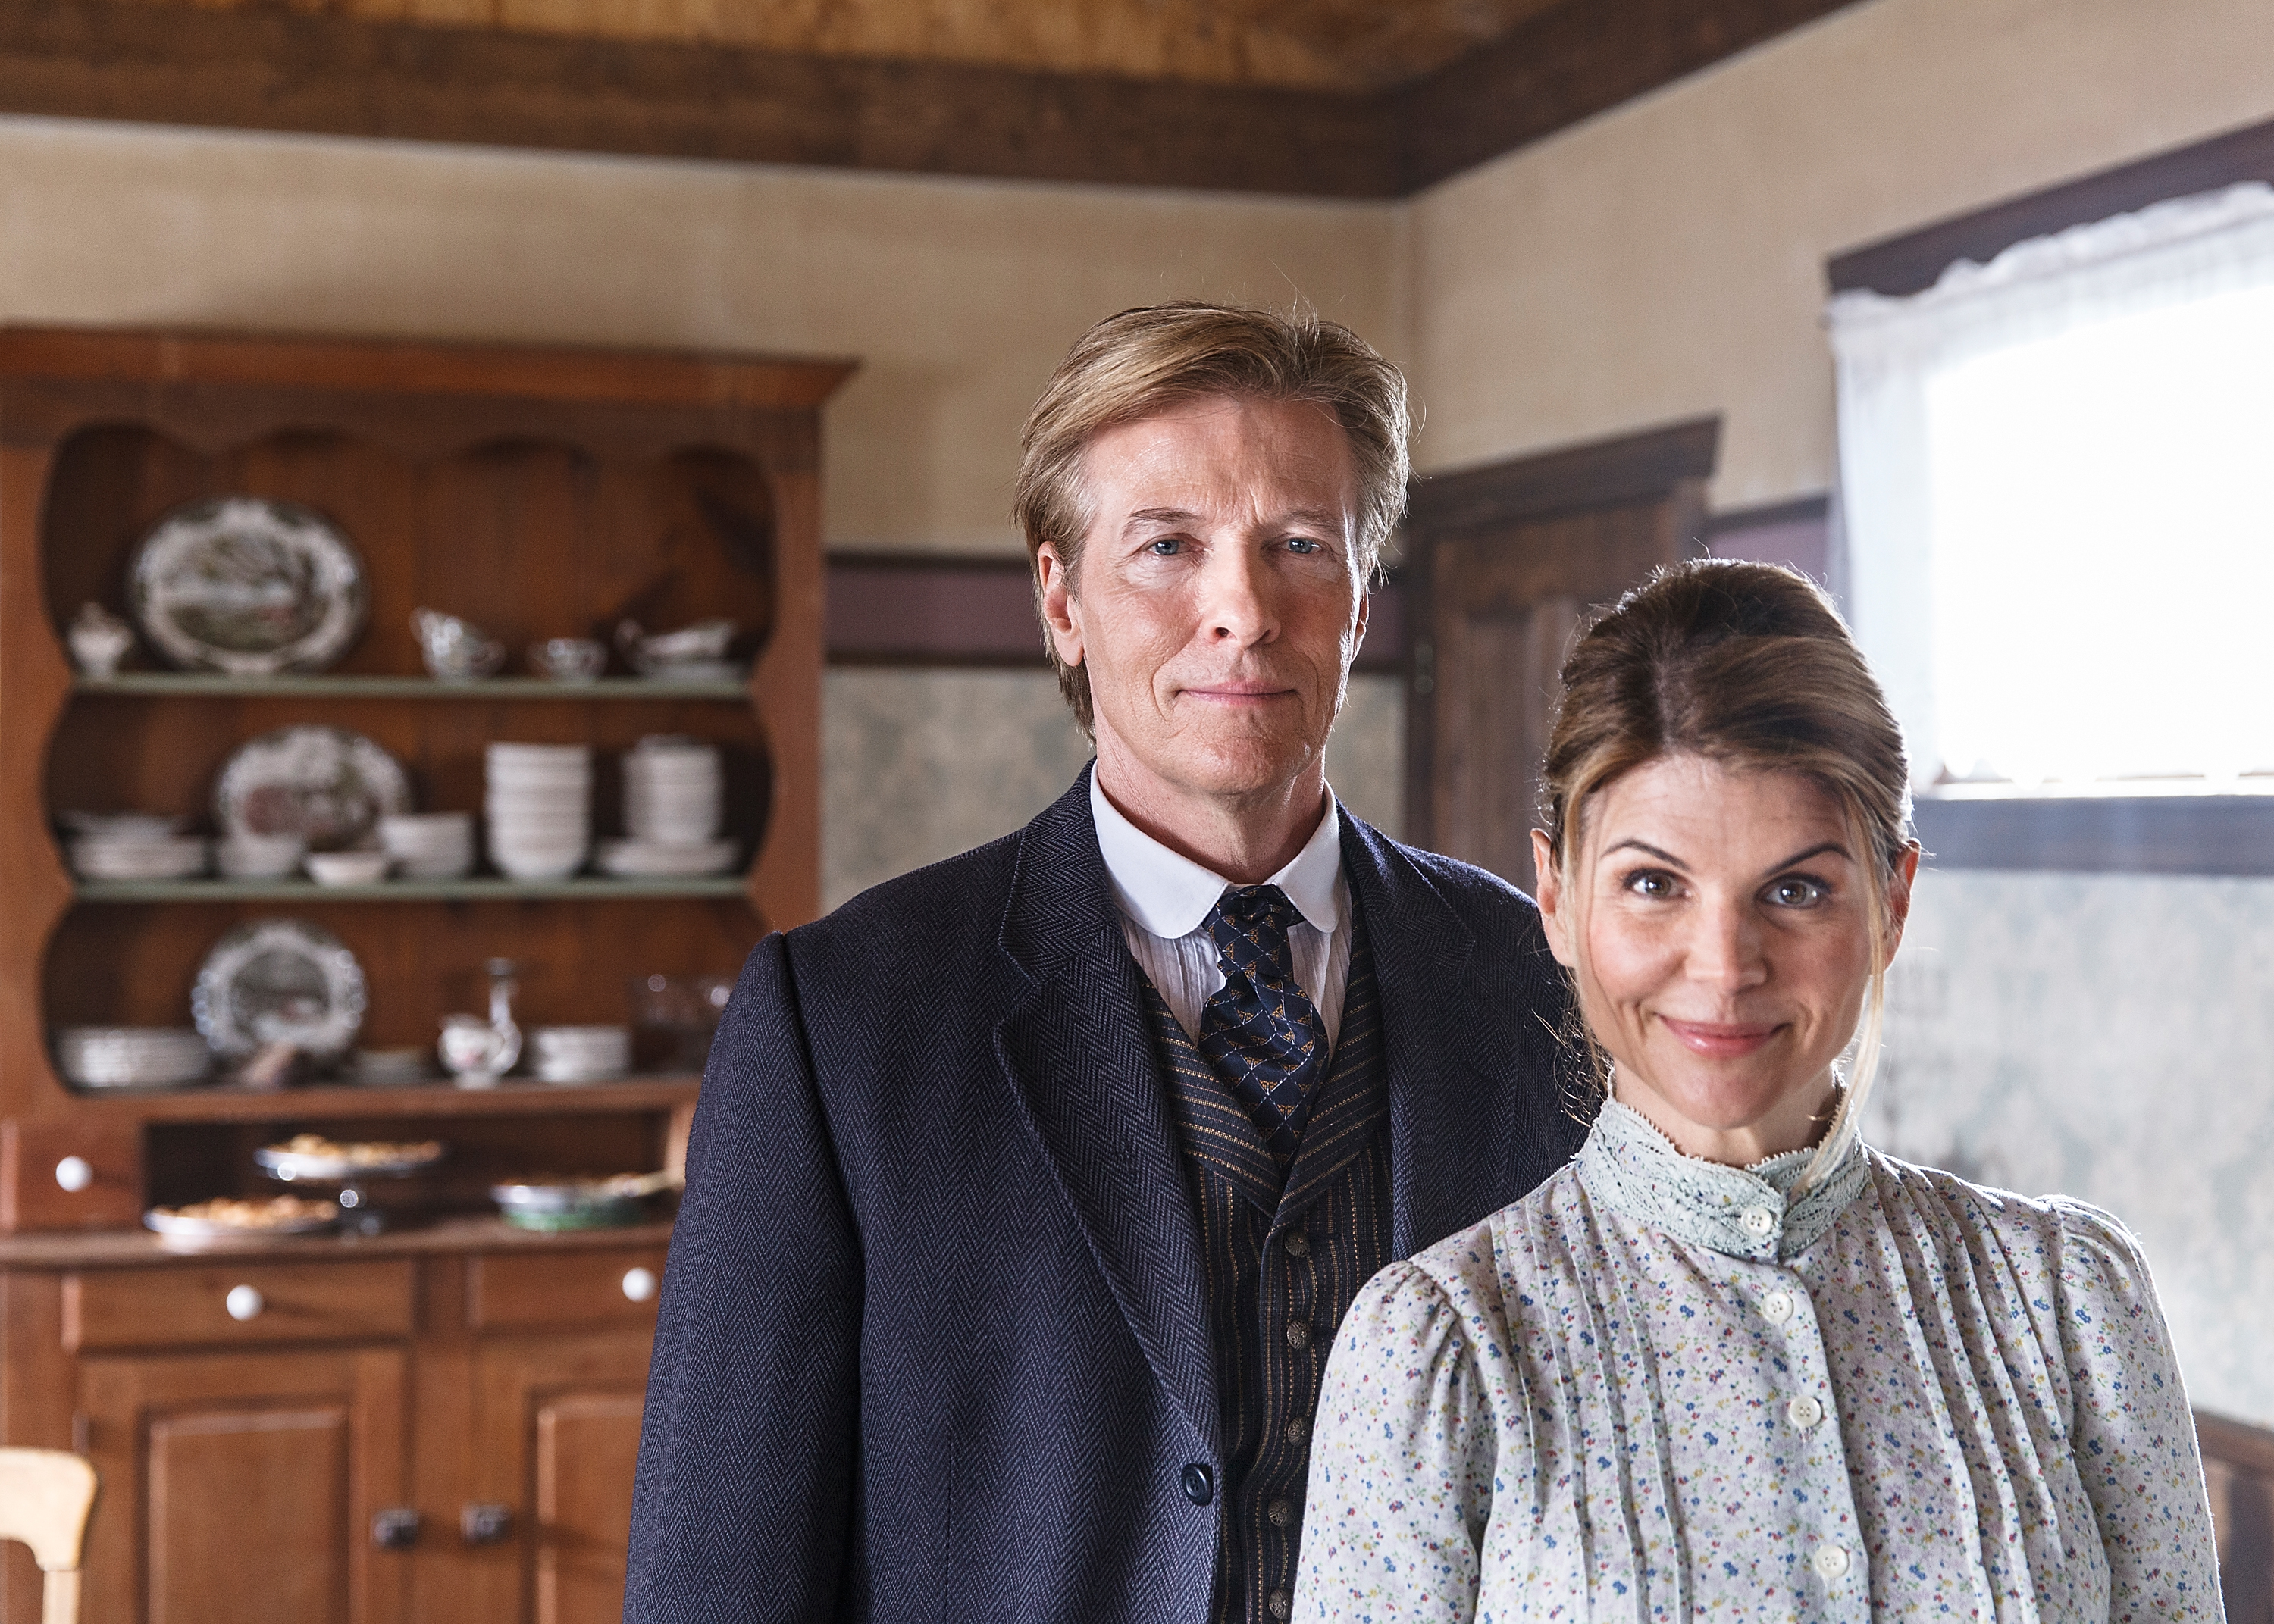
(1717, 919)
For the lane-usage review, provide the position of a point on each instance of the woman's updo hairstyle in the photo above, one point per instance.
(1748, 665)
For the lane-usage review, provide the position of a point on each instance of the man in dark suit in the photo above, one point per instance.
(1027, 1191)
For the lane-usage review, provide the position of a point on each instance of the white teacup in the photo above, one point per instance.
(474, 1052)
(261, 857)
(568, 659)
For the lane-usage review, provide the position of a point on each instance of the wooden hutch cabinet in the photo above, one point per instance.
(438, 1422)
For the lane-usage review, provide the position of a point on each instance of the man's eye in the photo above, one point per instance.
(1167, 546)
(1796, 893)
(1304, 545)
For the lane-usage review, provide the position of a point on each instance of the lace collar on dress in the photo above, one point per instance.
(1631, 1168)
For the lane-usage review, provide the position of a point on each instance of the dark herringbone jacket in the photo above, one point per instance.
(932, 1343)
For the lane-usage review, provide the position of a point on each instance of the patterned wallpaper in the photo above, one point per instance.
(2109, 1037)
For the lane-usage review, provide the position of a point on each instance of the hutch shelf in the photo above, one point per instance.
(437, 1422)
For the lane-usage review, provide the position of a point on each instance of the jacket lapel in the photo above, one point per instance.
(1079, 1054)
(1449, 1103)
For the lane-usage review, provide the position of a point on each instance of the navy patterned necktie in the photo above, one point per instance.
(1259, 1031)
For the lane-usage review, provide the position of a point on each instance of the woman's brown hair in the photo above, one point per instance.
(1748, 665)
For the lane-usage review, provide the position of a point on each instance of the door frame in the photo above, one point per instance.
(1671, 463)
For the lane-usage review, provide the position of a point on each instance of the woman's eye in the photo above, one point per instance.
(1167, 546)
(1796, 893)
(1650, 882)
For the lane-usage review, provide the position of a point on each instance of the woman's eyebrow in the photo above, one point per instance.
(1817, 850)
(1667, 858)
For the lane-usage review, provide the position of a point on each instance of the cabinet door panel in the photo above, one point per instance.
(587, 1445)
(241, 1487)
(556, 1432)
(215, 1476)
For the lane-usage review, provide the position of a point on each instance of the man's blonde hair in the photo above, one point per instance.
(1146, 361)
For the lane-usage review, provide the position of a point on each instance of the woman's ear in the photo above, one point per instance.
(1898, 896)
(1552, 914)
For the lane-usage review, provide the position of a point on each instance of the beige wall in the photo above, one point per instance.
(956, 296)
(1666, 259)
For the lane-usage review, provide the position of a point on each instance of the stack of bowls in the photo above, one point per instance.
(132, 1056)
(540, 808)
(671, 808)
(430, 845)
(134, 845)
(580, 1053)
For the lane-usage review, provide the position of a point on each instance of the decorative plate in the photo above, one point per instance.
(324, 783)
(249, 586)
(279, 980)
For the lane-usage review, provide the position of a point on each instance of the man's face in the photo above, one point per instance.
(1217, 603)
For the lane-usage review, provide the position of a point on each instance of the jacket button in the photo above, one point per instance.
(1299, 1245)
(1200, 1484)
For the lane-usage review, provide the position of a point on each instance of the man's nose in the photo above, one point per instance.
(1238, 605)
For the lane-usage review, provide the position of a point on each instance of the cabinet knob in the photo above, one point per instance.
(485, 1522)
(74, 1174)
(245, 1303)
(394, 1527)
(639, 1284)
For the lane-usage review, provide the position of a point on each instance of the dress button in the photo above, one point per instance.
(1776, 1307)
(1282, 1512)
(1282, 1605)
(1299, 1334)
(1297, 1243)
(1200, 1484)
(1831, 1561)
(1757, 1220)
(1298, 1429)
(1804, 1412)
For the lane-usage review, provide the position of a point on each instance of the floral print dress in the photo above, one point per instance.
(1659, 1389)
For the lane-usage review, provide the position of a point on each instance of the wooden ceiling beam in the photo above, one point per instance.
(1567, 64)
(280, 71)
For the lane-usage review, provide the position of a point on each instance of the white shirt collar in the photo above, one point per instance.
(1169, 895)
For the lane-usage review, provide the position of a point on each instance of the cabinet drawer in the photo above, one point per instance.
(225, 1303)
(603, 1288)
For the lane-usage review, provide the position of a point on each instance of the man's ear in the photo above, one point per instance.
(1552, 917)
(1061, 609)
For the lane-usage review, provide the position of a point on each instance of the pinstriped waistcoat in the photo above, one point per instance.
(1285, 1252)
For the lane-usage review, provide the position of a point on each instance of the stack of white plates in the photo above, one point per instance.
(430, 845)
(671, 809)
(540, 808)
(580, 1053)
(132, 845)
(132, 1056)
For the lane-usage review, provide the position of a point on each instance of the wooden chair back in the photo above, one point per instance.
(45, 1496)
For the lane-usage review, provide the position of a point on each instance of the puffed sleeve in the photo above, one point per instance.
(1402, 1461)
(2132, 1431)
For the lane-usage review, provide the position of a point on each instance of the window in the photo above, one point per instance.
(2058, 476)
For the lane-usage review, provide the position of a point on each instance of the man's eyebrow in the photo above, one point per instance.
(1320, 518)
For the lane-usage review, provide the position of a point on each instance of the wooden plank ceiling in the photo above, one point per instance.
(1337, 98)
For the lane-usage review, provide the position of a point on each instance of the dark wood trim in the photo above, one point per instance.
(1600, 473)
(1769, 516)
(2238, 1443)
(1570, 63)
(2114, 834)
(964, 610)
(1912, 261)
(276, 69)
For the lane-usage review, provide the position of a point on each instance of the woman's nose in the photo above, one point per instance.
(1725, 946)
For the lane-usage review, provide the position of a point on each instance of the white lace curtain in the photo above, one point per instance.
(2060, 538)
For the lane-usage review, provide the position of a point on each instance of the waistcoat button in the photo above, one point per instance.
(1282, 1512)
(1200, 1484)
(1282, 1605)
(1299, 1334)
(1298, 1429)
